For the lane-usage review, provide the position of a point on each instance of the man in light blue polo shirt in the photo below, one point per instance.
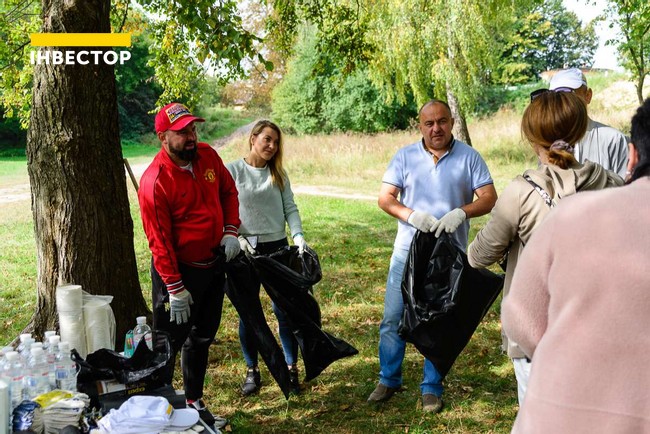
(429, 185)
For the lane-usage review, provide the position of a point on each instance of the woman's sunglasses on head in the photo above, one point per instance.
(534, 94)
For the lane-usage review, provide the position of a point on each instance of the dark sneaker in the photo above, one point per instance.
(207, 417)
(382, 393)
(295, 379)
(431, 403)
(252, 382)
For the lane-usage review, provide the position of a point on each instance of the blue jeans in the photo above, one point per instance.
(289, 343)
(391, 346)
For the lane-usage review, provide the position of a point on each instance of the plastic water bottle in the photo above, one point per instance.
(46, 339)
(38, 380)
(52, 352)
(25, 343)
(13, 372)
(142, 329)
(66, 369)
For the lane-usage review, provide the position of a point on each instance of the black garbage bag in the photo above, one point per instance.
(144, 371)
(288, 278)
(144, 364)
(242, 288)
(445, 299)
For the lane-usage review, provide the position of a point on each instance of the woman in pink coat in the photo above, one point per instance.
(579, 307)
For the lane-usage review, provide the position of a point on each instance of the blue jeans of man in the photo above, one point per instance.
(391, 345)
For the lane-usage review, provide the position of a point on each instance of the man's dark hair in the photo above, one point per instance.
(435, 101)
(641, 140)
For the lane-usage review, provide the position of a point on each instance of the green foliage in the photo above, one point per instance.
(137, 92)
(12, 136)
(496, 97)
(318, 96)
(340, 29)
(209, 32)
(546, 37)
(17, 20)
(633, 38)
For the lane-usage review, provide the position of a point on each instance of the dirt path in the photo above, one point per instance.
(21, 192)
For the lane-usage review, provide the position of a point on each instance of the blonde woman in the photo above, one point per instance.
(266, 206)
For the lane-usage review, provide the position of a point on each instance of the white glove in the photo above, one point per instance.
(246, 246)
(179, 306)
(422, 221)
(231, 246)
(299, 240)
(449, 222)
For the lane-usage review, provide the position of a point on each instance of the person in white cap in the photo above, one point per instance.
(601, 144)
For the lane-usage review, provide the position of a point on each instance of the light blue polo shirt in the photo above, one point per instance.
(436, 188)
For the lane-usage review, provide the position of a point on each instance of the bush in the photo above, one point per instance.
(316, 96)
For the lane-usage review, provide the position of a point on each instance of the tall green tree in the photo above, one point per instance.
(633, 39)
(545, 37)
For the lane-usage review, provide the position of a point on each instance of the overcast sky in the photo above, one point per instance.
(587, 11)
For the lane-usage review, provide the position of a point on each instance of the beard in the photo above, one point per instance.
(185, 154)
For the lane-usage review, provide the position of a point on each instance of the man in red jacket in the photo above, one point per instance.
(189, 207)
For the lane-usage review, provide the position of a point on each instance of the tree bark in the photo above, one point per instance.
(460, 124)
(82, 220)
(639, 87)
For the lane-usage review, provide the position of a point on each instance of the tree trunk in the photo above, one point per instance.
(460, 125)
(82, 220)
(639, 87)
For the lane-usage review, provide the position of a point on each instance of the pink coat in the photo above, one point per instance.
(579, 305)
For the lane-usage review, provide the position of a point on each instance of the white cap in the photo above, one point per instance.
(148, 414)
(36, 352)
(25, 336)
(141, 320)
(50, 333)
(54, 339)
(12, 356)
(572, 78)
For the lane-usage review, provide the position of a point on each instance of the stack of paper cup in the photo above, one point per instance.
(99, 322)
(69, 305)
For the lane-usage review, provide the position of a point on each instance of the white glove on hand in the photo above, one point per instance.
(246, 246)
(230, 244)
(422, 221)
(179, 306)
(299, 240)
(449, 222)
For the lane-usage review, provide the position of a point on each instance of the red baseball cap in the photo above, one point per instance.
(174, 116)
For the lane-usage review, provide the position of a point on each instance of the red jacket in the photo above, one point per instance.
(185, 214)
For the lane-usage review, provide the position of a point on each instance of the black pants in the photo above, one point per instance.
(195, 336)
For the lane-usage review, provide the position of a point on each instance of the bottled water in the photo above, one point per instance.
(13, 373)
(24, 352)
(142, 330)
(52, 352)
(38, 374)
(46, 339)
(25, 343)
(66, 369)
